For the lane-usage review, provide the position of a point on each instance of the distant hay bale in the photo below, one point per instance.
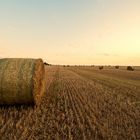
(116, 67)
(129, 68)
(101, 67)
(22, 81)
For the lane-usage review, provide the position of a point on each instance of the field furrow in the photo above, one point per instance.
(77, 105)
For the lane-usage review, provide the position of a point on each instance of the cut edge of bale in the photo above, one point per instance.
(39, 81)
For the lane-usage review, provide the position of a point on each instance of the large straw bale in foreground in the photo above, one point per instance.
(22, 81)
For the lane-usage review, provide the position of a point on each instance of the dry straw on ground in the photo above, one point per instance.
(21, 81)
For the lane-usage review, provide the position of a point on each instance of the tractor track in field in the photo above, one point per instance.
(74, 107)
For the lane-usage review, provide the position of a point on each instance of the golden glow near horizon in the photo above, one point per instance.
(72, 33)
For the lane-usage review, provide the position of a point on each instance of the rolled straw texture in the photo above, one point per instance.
(22, 81)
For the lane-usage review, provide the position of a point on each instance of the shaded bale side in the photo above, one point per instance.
(21, 81)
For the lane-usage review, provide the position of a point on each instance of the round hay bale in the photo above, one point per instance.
(22, 81)
(101, 67)
(129, 68)
(117, 67)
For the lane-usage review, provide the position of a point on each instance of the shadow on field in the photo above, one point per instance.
(18, 106)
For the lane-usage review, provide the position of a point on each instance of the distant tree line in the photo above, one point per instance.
(47, 64)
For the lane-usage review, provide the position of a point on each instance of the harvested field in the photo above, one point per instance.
(80, 103)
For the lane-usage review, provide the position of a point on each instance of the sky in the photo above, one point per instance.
(72, 32)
